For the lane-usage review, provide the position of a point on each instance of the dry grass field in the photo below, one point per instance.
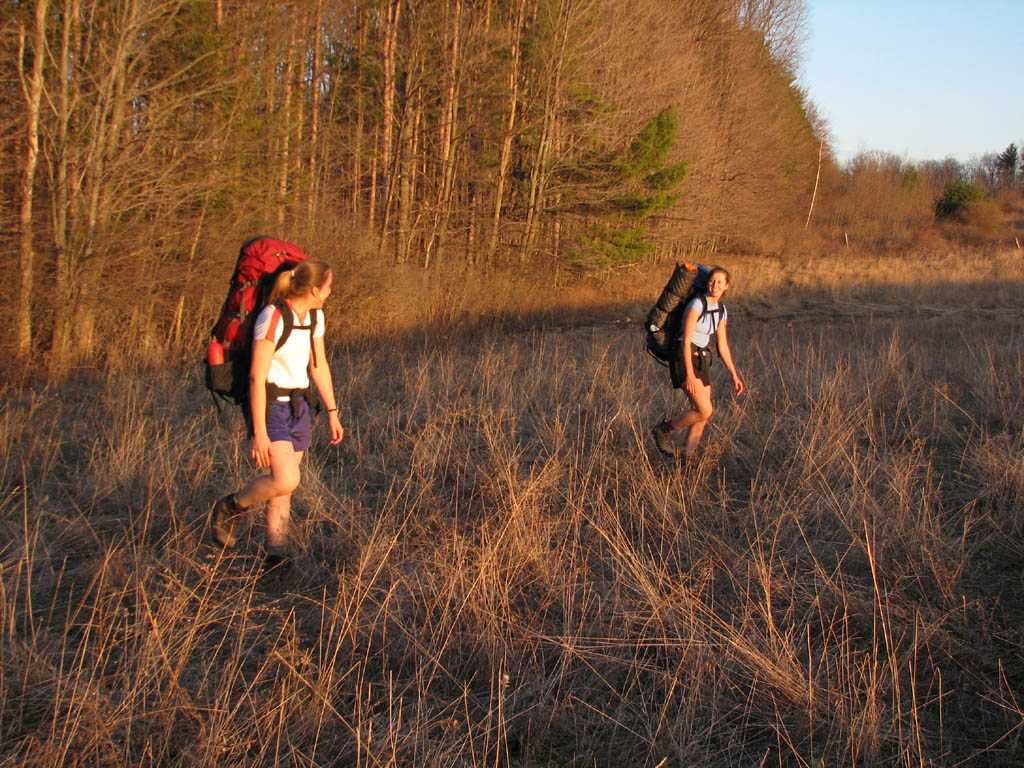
(497, 569)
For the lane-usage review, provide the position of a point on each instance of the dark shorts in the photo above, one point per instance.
(701, 367)
(282, 425)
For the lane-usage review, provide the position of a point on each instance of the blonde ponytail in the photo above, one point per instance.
(299, 280)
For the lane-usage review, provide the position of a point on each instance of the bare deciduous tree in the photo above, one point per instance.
(32, 89)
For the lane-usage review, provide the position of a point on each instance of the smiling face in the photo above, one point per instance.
(718, 283)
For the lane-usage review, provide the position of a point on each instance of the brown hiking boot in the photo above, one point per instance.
(223, 515)
(662, 433)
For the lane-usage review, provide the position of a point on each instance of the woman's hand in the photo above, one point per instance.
(738, 385)
(693, 385)
(261, 449)
(337, 431)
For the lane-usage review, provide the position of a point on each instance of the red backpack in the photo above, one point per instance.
(229, 352)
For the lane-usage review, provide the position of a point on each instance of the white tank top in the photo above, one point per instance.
(290, 364)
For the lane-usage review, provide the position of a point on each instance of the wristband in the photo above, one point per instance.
(332, 410)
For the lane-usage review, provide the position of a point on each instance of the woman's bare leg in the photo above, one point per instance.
(279, 508)
(696, 419)
(275, 491)
(282, 480)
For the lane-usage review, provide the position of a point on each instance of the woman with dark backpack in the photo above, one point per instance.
(704, 320)
(278, 411)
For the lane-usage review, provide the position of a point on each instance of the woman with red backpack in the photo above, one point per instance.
(705, 320)
(278, 411)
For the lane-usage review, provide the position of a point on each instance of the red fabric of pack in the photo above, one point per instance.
(258, 263)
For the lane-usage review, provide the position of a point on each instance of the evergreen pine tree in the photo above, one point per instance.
(622, 191)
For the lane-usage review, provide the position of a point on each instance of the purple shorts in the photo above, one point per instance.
(281, 425)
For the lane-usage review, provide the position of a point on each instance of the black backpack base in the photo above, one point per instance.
(660, 345)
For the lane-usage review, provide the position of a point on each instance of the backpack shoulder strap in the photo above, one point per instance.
(287, 320)
(719, 314)
(314, 315)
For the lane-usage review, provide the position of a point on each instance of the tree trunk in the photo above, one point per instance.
(314, 116)
(449, 112)
(390, 31)
(62, 193)
(408, 157)
(510, 127)
(108, 117)
(360, 129)
(372, 213)
(285, 122)
(33, 93)
(552, 95)
(817, 178)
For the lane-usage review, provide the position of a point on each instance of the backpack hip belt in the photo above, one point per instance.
(294, 397)
(700, 351)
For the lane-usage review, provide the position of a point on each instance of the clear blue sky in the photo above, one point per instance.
(922, 79)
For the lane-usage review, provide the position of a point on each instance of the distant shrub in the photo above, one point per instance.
(983, 214)
(879, 199)
(956, 197)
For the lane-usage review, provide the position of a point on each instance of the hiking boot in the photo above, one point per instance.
(662, 434)
(223, 515)
(275, 560)
(274, 575)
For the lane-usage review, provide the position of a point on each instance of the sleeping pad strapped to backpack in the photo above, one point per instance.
(229, 353)
(663, 321)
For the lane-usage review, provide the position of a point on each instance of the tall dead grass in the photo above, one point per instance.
(493, 569)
